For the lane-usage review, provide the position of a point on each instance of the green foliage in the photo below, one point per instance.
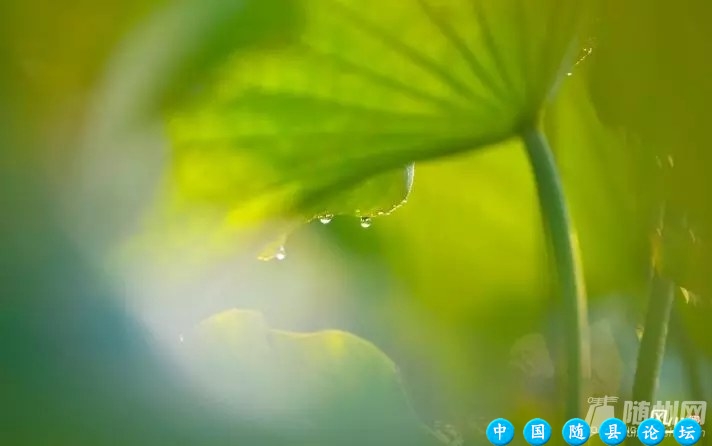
(324, 384)
(192, 130)
(356, 93)
(310, 118)
(665, 103)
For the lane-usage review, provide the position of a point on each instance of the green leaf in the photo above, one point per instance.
(326, 385)
(365, 88)
(377, 196)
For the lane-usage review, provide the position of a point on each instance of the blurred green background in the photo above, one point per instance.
(150, 151)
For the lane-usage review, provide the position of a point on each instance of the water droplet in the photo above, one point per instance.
(281, 254)
(569, 73)
(326, 219)
(365, 222)
(274, 250)
(671, 161)
(180, 338)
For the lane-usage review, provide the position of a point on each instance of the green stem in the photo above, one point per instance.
(568, 265)
(652, 345)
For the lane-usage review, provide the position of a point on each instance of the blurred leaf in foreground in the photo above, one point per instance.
(162, 62)
(328, 385)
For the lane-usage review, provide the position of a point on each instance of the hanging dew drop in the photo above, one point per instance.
(274, 250)
(326, 219)
(365, 222)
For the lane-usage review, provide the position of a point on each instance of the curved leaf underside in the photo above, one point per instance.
(365, 88)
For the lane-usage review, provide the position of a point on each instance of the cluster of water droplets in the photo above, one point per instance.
(325, 219)
(365, 222)
(365, 216)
